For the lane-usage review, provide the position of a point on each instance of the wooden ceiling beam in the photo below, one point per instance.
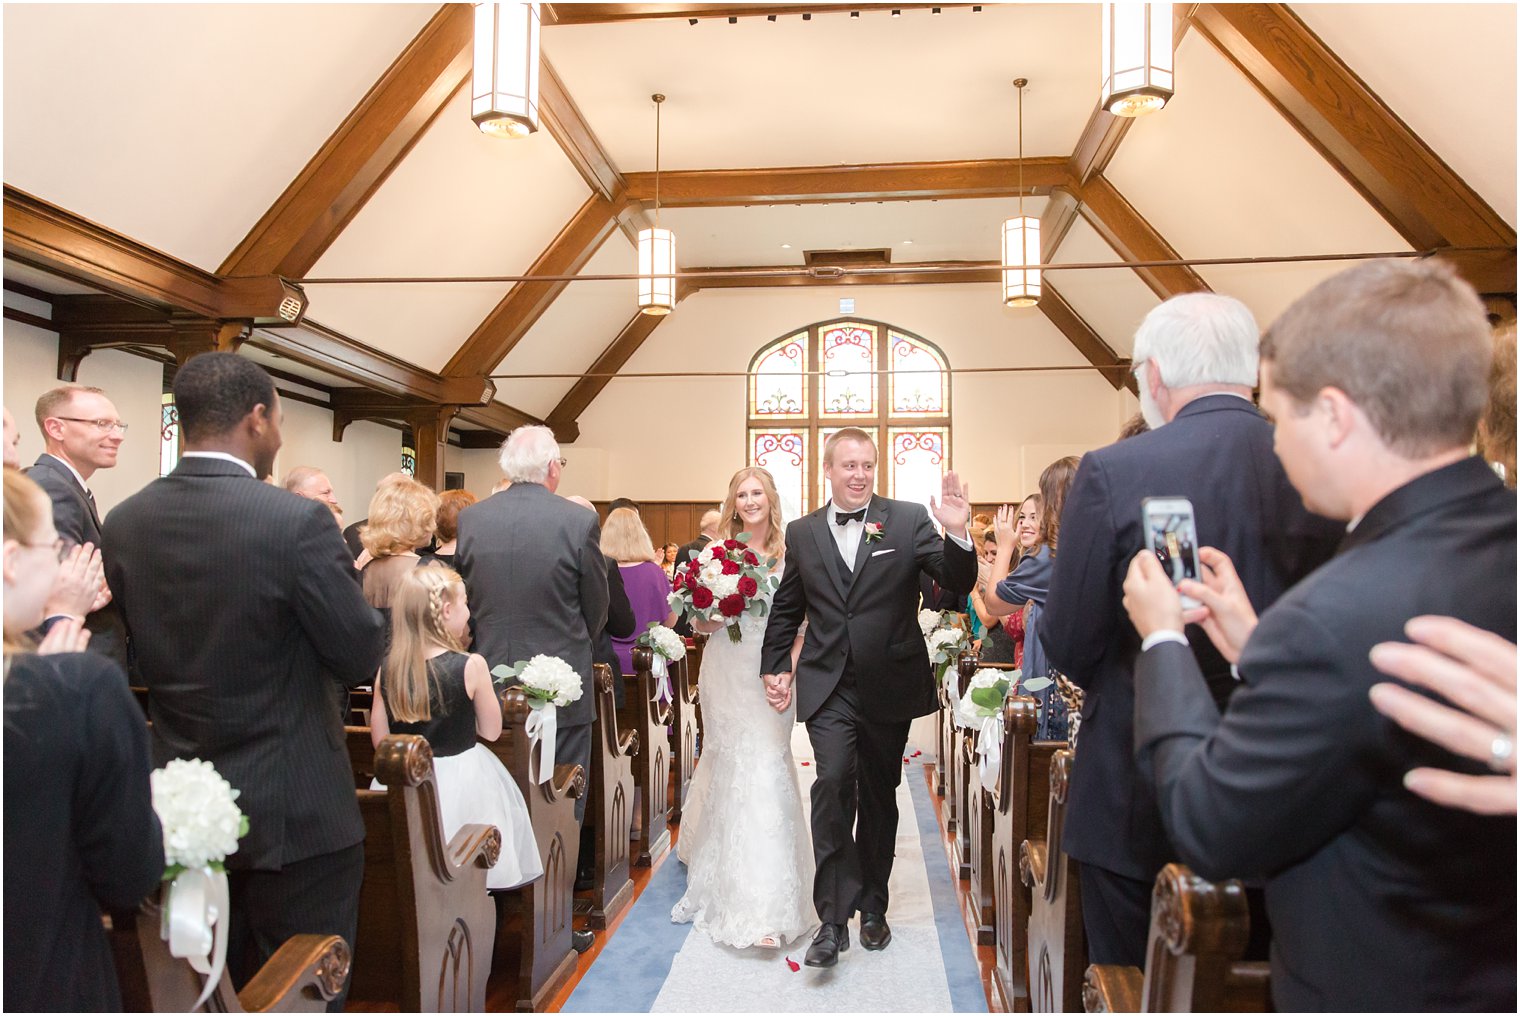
(621, 349)
(1135, 239)
(1056, 221)
(579, 142)
(502, 419)
(371, 141)
(1357, 133)
(901, 181)
(961, 271)
(526, 302)
(592, 13)
(1114, 368)
(56, 240)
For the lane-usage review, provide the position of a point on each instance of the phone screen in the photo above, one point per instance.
(1171, 534)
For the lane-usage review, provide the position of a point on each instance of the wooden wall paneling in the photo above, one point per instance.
(675, 522)
(890, 181)
(370, 142)
(1358, 134)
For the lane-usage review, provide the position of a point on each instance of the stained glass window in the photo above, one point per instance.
(785, 454)
(850, 373)
(919, 383)
(915, 463)
(848, 365)
(778, 385)
(168, 436)
(409, 460)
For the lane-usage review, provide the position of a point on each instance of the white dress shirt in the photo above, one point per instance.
(224, 456)
(847, 537)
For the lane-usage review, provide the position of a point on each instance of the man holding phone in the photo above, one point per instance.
(1196, 360)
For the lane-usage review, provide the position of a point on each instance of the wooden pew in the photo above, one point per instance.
(1199, 931)
(610, 807)
(694, 649)
(360, 703)
(533, 950)
(1057, 949)
(1020, 806)
(651, 766)
(302, 976)
(426, 921)
(942, 767)
(683, 734)
(978, 822)
(958, 776)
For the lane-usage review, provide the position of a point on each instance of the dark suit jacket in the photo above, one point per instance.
(80, 832)
(1379, 900)
(620, 623)
(533, 564)
(866, 619)
(690, 550)
(247, 625)
(1218, 453)
(77, 522)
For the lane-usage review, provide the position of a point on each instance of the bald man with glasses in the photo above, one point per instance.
(82, 434)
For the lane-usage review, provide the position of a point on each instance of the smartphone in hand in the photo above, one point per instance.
(1170, 532)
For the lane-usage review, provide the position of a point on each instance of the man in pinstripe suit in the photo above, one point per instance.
(248, 626)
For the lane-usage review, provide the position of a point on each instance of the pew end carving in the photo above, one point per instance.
(652, 714)
(610, 807)
(1057, 951)
(427, 926)
(1199, 930)
(683, 734)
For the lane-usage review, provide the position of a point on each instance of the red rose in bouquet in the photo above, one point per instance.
(679, 581)
(701, 597)
(731, 606)
(731, 567)
(748, 586)
(750, 558)
(732, 545)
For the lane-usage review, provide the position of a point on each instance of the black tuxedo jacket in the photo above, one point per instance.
(247, 625)
(533, 565)
(75, 518)
(1218, 453)
(866, 619)
(1379, 900)
(690, 550)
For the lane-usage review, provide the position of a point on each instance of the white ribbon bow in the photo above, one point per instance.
(660, 670)
(541, 728)
(194, 924)
(989, 748)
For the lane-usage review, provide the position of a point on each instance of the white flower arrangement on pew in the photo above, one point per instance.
(663, 642)
(945, 641)
(201, 825)
(545, 680)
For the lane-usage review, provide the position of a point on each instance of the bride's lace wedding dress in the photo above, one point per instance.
(749, 861)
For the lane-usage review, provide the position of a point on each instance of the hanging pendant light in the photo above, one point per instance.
(657, 247)
(1021, 237)
(1138, 73)
(504, 84)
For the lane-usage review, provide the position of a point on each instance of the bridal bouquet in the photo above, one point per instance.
(545, 680)
(723, 583)
(201, 826)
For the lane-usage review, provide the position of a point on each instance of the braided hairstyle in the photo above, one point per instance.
(417, 626)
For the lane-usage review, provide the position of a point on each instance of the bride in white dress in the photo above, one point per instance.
(749, 861)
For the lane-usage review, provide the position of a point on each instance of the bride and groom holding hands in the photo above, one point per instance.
(841, 651)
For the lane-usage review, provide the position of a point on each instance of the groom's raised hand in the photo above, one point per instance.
(953, 509)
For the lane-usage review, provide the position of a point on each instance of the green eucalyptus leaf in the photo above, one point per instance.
(987, 698)
(1037, 684)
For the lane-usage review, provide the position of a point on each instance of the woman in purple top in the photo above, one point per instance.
(625, 540)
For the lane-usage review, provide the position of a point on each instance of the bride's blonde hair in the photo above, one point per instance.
(775, 541)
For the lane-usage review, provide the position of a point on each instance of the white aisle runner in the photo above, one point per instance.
(930, 965)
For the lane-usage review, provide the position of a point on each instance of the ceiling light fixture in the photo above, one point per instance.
(1138, 73)
(1021, 237)
(504, 78)
(907, 241)
(786, 246)
(657, 247)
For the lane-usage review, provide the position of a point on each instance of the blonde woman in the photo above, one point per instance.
(80, 833)
(402, 517)
(749, 864)
(626, 541)
(429, 686)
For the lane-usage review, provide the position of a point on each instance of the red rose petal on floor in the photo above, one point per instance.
(917, 753)
(793, 964)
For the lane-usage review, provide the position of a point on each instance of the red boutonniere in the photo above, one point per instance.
(874, 532)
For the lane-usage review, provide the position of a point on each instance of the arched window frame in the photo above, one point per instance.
(795, 419)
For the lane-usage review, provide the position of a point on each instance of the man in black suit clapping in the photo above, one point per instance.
(248, 625)
(1379, 900)
(1196, 358)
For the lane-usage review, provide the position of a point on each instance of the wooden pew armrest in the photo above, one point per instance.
(309, 968)
(475, 845)
(1032, 858)
(627, 743)
(568, 781)
(1248, 988)
(1112, 988)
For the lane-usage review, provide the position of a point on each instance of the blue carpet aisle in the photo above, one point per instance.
(652, 965)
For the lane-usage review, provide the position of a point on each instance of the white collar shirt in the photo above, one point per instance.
(224, 456)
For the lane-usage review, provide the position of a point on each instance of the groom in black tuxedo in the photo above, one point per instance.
(852, 570)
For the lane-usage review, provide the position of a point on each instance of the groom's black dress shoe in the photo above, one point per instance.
(831, 940)
(874, 933)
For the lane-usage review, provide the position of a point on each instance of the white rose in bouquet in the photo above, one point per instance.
(195, 807)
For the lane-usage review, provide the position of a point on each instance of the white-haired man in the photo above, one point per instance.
(533, 564)
(1196, 361)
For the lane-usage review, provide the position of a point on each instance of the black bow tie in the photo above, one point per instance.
(845, 518)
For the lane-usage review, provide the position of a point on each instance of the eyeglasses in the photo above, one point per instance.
(57, 546)
(106, 425)
(562, 462)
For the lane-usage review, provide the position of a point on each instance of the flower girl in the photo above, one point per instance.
(431, 687)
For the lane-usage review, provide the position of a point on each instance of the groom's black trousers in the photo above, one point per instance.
(859, 765)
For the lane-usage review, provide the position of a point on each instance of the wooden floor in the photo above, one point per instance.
(499, 998)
